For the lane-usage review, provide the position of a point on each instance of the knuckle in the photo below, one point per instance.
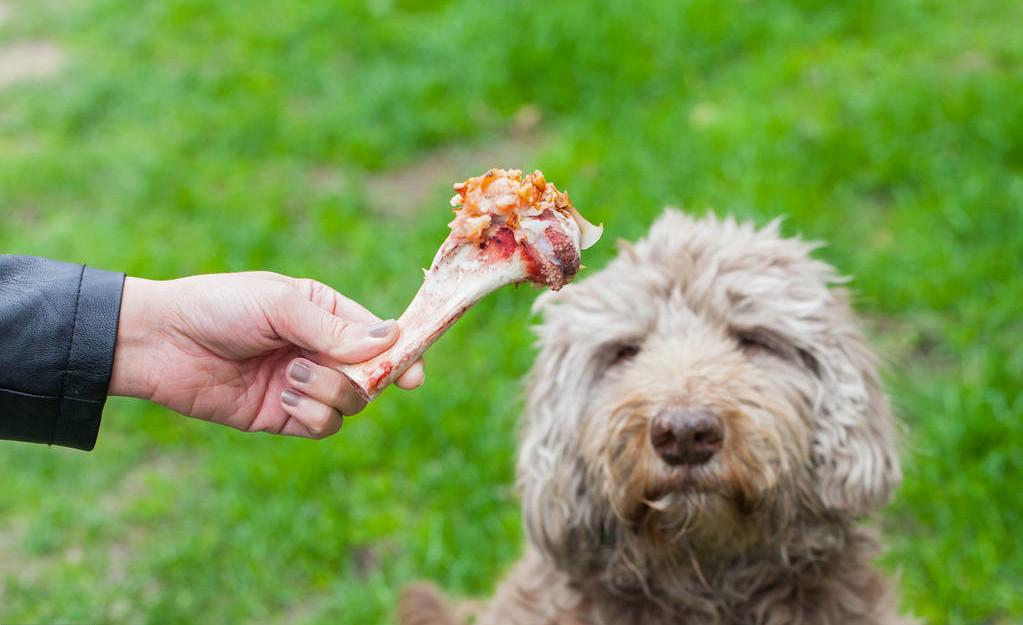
(340, 390)
(268, 275)
(324, 427)
(335, 425)
(281, 294)
(308, 286)
(335, 328)
(316, 287)
(354, 407)
(320, 421)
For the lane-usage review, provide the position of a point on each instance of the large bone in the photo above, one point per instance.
(505, 232)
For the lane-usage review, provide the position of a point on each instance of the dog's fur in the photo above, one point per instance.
(716, 315)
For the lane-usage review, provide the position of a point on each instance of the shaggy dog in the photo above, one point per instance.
(704, 429)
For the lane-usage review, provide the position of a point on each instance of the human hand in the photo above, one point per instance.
(254, 351)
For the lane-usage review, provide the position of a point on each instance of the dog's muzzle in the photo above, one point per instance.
(689, 436)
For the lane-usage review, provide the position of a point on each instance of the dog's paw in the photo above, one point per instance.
(424, 604)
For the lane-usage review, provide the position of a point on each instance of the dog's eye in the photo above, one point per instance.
(623, 353)
(754, 342)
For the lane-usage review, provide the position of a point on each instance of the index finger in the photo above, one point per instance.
(336, 303)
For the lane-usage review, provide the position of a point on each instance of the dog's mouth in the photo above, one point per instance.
(672, 502)
(680, 482)
(692, 488)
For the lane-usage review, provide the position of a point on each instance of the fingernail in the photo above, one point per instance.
(290, 397)
(382, 329)
(300, 373)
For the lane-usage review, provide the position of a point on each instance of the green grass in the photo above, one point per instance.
(186, 136)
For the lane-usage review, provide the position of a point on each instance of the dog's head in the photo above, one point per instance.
(707, 387)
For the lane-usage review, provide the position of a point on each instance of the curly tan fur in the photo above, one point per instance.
(716, 315)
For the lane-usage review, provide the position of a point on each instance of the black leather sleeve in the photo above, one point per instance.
(58, 327)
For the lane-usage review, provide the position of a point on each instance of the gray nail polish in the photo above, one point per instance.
(290, 397)
(300, 373)
(380, 330)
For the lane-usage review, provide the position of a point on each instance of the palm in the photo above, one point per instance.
(225, 362)
(233, 389)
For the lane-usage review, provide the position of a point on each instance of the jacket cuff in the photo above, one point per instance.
(90, 359)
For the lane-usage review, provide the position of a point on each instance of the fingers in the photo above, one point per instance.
(309, 417)
(347, 341)
(321, 320)
(324, 385)
(361, 342)
(413, 377)
(329, 299)
(318, 397)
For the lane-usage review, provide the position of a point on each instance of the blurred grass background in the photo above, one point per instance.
(188, 136)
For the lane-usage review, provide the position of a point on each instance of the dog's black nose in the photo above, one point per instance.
(690, 436)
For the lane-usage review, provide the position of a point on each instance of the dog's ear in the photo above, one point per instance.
(552, 478)
(553, 507)
(543, 483)
(854, 452)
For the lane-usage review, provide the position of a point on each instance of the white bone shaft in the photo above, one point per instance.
(439, 303)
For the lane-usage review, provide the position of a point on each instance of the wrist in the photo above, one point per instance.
(138, 331)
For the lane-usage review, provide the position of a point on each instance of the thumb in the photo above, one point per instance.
(310, 327)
